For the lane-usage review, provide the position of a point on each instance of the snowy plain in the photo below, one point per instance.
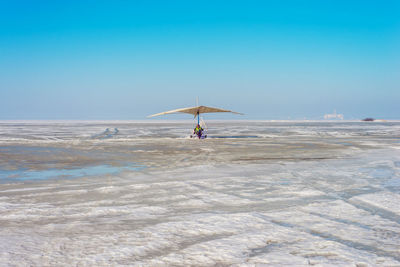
(144, 194)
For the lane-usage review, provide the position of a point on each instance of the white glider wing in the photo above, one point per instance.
(195, 110)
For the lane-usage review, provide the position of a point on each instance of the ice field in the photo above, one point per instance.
(143, 194)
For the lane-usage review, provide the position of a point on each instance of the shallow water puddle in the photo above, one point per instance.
(26, 175)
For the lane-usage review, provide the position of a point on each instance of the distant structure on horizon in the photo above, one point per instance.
(334, 115)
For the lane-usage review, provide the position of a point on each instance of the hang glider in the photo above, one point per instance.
(195, 111)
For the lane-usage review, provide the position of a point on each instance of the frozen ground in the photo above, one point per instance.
(142, 194)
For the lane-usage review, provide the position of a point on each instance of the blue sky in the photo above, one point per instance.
(268, 59)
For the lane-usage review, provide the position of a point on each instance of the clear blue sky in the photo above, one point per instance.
(268, 59)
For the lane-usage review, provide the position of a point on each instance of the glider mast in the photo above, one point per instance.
(198, 112)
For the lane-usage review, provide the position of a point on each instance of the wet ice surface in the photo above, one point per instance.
(274, 193)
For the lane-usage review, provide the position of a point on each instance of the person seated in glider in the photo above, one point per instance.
(198, 130)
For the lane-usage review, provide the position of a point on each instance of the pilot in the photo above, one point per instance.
(198, 130)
